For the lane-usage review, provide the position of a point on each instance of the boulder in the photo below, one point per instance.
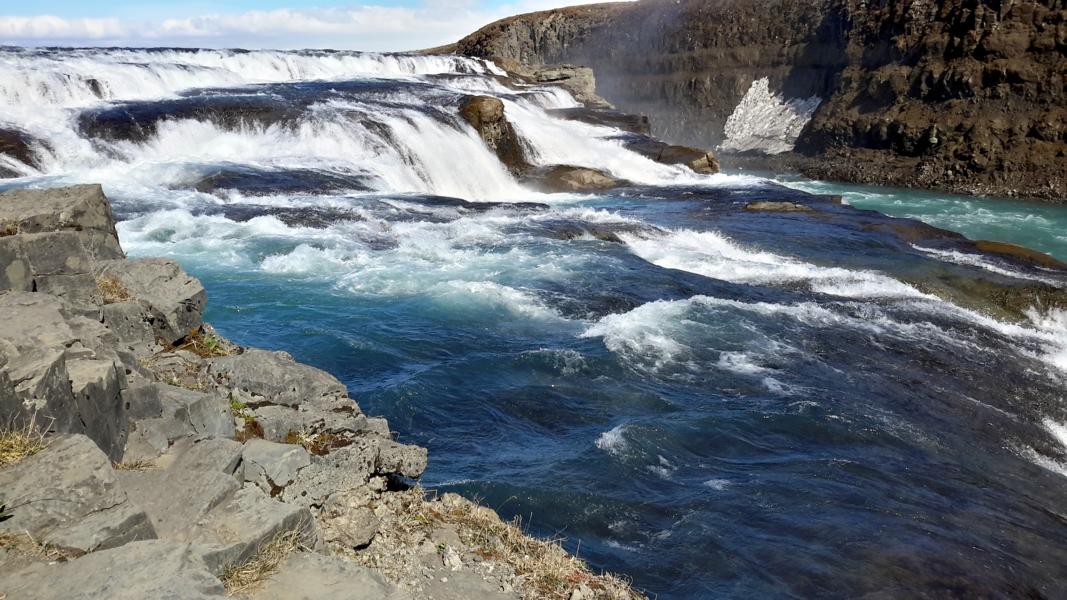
(766, 206)
(486, 115)
(250, 520)
(68, 496)
(605, 117)
(566, 178)
(190, 480)
(700, 161)
(81, 208)
(273, 466)
(139, 570)
(173, 299)
(19, 145)
(351, 467)
(311, 576)
(348, 519)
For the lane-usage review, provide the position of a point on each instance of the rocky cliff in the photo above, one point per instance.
(965, 95)
(142, 455)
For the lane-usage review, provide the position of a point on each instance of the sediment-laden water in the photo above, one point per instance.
(713, 400)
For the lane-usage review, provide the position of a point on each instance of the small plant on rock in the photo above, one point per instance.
(19, 442)
(4, 513)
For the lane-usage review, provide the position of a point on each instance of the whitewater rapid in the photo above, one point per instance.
(616, 339)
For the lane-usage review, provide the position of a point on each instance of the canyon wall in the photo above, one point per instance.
(964, 95)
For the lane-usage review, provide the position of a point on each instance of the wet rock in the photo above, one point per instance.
(769, 206)
(1020, 254)
(69, 496)
(21, 146)
(486, 115)
(252, 182)
(81, 208)
(566, 178)
(135, 571)
(700, 161)
(173, 299)
(605, 117)
(306, 575)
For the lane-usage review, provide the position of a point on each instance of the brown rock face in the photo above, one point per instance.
(486, 115)
(963, 95)
(566, 178)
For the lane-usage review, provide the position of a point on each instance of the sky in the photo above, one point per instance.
(281, 24)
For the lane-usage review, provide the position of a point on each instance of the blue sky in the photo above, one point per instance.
(366, 25)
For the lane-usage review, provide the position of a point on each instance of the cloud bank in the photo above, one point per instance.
(368, 27)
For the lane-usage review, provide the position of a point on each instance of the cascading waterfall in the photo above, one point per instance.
(684, 386)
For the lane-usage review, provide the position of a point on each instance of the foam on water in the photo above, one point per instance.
(34, 79)
(711, 254)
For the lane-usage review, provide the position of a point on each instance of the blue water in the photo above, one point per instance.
(1038, 225)
(714, 401)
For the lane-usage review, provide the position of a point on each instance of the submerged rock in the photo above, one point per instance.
(768, 206)
(567, 178)
(701, 161)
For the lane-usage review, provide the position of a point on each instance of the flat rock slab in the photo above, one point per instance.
(68, 495)
(172, 298)
(81, 208)
(250, 520)
(273, 466)
(311, 576)
(275, 378)
(157, 569)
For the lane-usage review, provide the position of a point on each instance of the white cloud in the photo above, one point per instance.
(368, 27)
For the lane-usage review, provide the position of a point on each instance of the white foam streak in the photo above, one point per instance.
(711, 254)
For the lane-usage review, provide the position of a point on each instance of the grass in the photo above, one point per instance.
(24, 545)
(243, 578)
(204, 345)
(548, 571)
(19, 442)
(318, 444)
(139, 465)
(112, 290)
(252, 428)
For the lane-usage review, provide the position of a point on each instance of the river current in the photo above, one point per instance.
(717, 402)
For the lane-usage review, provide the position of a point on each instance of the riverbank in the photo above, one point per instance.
(144, 455)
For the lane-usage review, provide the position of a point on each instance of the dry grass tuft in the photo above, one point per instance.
(549, 572)
(139, 465)
(19, 442)
(23, 544)
(204, 345)
(112, 290)
(319, 444)
(243, 578)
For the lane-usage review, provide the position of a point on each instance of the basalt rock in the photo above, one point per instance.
(486, 115)
(567, 178)
(700, 161)
(962, 95)
(20, 146)
(637, 124)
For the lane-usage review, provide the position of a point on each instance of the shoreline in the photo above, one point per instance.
(142, 454)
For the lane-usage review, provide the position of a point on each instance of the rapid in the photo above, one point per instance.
(717, 402)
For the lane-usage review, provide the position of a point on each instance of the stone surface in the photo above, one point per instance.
(174, 299)
(274, 378)
(566, 178)
(486, 115)
(310, 576)
(273, 466)
(79, 208)
(963, 95)
(249, 520)
(155, 569)
(68, 495)
(777, 207)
